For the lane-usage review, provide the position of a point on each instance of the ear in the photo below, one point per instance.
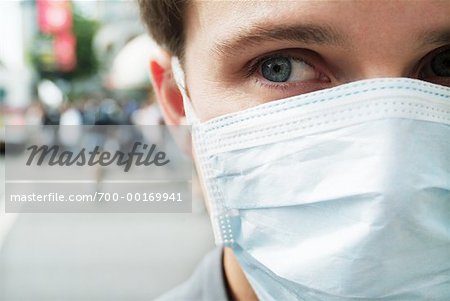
(169, 98)
(166, 90)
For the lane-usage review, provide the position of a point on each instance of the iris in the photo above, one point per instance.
(277, 69)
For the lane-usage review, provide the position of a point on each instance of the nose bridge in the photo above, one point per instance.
(374, 69)
(374, 54)
(373, 65)
(382, 62)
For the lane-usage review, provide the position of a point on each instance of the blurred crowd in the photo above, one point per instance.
(88, 111)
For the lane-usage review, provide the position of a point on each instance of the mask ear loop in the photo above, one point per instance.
(193, 120)
(180, 80)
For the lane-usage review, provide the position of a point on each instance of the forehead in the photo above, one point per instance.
(208, 22)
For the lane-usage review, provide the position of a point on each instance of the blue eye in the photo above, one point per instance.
(276, 69)
(440, 65)
(281, 69)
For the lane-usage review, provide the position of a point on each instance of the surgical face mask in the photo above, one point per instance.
(339, 194)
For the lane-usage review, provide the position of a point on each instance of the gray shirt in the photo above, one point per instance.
(207, 283)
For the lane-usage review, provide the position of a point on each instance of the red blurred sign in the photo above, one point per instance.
(54, 16)
(64, 47)
(55, 19)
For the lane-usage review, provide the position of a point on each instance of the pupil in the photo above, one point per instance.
(277, 69)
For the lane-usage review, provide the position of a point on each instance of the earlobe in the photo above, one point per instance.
(166, 90)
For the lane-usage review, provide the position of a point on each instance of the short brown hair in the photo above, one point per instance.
(164, 21)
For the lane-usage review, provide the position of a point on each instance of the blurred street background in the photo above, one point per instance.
(85, 63)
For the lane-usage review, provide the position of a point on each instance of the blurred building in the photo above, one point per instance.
(15, 36)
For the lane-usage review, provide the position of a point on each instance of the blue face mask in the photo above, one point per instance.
(340, 194)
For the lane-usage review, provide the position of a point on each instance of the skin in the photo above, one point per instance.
(368, 39)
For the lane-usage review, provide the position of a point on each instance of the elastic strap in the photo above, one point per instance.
(180, 80)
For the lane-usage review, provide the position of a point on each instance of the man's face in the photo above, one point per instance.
(241, 54)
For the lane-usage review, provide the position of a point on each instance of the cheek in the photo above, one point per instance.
(211, 93)
(213, 98)
(210, 102)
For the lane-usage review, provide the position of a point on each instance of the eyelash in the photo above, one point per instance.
(283, 86)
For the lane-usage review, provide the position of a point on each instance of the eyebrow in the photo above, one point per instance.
(256, 34)
(437, 37)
